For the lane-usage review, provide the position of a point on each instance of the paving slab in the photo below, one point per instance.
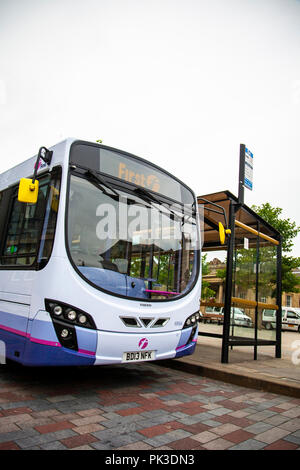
(114, 410)
(266, 373)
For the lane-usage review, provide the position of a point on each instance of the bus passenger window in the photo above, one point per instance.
(26, 223)
(49, 226)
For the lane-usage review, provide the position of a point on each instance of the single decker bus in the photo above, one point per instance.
(99, 259)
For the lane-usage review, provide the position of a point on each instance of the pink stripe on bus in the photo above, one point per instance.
(42, 341)
(162, 292)
(84, 351)
(47, 343)
(12, 330)
(180, 347)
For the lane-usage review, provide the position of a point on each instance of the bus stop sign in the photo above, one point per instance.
(248, 178)
(246, 171)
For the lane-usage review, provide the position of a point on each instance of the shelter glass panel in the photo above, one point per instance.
(267, 272)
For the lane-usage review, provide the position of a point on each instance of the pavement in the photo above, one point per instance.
(139, 406)
(266, 373)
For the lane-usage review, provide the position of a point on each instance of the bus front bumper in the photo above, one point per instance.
(113, 348)
(102, 347)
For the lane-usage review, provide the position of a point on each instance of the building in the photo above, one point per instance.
(216, 283)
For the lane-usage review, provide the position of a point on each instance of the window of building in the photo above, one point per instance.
(288, 300)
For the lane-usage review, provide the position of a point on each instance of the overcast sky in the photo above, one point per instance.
(179, 82)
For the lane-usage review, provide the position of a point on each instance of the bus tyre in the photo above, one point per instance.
(268, 326)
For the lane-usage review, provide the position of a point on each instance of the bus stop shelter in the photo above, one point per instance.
(245, 291)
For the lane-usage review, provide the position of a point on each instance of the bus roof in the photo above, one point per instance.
(26, 168)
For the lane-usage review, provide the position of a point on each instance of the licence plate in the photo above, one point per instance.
(138, 356)
(291, 326)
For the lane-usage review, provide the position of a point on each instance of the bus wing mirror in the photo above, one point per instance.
(28, 190)
(223, 232)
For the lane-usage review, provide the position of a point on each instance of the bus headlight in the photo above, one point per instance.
(57, 310)
(192, 320)
(69, 314)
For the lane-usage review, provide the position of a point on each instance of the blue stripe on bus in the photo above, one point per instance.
(41, 334)
(32, 353)
(36, 354)
(15, 323)
(186, 349)
(184, 337)
(86, 340)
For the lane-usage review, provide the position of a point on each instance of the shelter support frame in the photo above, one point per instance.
(261, 232)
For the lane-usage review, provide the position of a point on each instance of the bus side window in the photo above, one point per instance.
(49, 226)
(24, 227)
(4, 206)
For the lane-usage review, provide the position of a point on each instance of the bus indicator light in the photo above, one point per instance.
(82, 319)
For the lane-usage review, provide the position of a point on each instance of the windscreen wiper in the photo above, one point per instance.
(145, 194)
(102, 182)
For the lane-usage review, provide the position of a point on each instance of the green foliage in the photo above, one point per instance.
(289, 280)
(288, 231)
(221, 273)
(246, 259)
(206, 292)
(245, 270)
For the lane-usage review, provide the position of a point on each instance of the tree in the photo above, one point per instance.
(206, 292)
(288, 231)
(245, 259)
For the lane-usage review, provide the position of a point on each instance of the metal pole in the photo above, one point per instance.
(242, 173)
(279, 300)
(228, 286)
(256, 293)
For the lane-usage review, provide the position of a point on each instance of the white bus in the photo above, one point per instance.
(102, 266)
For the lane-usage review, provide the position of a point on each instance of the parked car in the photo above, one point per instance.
(240, 318)
(212, 315)
(216, 315)
(290, 319)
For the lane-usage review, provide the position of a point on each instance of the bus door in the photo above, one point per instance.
(26, 245)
